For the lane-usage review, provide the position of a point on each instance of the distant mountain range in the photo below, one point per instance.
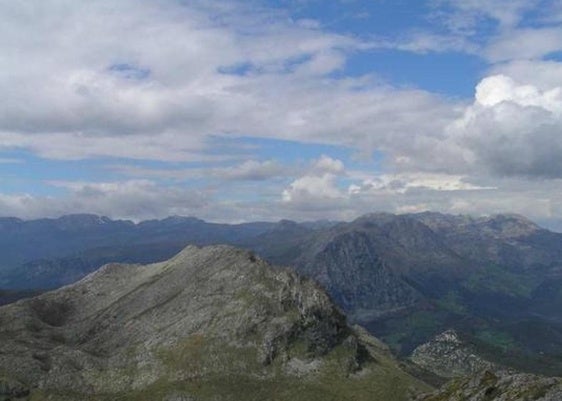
(49, 253)
(496, 280)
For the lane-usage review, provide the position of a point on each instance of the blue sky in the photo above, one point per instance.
(261, 110)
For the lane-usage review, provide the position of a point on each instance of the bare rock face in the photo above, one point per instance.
(477, 379)
(448, 356)
(210, 323)
(499, 386)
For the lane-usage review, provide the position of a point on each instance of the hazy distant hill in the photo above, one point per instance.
(213, 323)
(49, 253)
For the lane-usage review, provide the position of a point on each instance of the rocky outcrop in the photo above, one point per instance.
(448, 356)
(476, 379)
(499, 386)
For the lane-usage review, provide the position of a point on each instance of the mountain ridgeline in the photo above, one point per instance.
(496, 281)
(49, 253)
(213, 323)
(407, 278)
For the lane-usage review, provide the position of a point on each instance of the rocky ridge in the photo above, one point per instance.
(211, 323)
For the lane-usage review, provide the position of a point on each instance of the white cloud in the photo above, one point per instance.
(183, 72)
(495, 30)
(309, 198)
(322, 190)
(512, 129)
(466, 14)
(180, 73)
(134, 199)
(403, 182)
(496, 89)
(543, 74)
(328, 165)
(524, 44)
(310, 188)
(319, 183)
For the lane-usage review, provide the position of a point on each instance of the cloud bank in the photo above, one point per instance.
(148, 90)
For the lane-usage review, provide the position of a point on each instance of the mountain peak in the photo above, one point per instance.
(209, 318)
(375, 217)
(508, 225)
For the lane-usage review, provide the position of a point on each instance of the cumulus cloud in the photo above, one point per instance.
(512, 129)
(544, 74)
(323, 188)
(320, 183)
(307, 189)
(328, 165)
(494, 90)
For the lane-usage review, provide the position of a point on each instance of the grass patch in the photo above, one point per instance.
(452, 302)
(498, 339)
(404, 333)
(495, 279)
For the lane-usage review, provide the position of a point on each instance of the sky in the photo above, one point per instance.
(250, 110)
